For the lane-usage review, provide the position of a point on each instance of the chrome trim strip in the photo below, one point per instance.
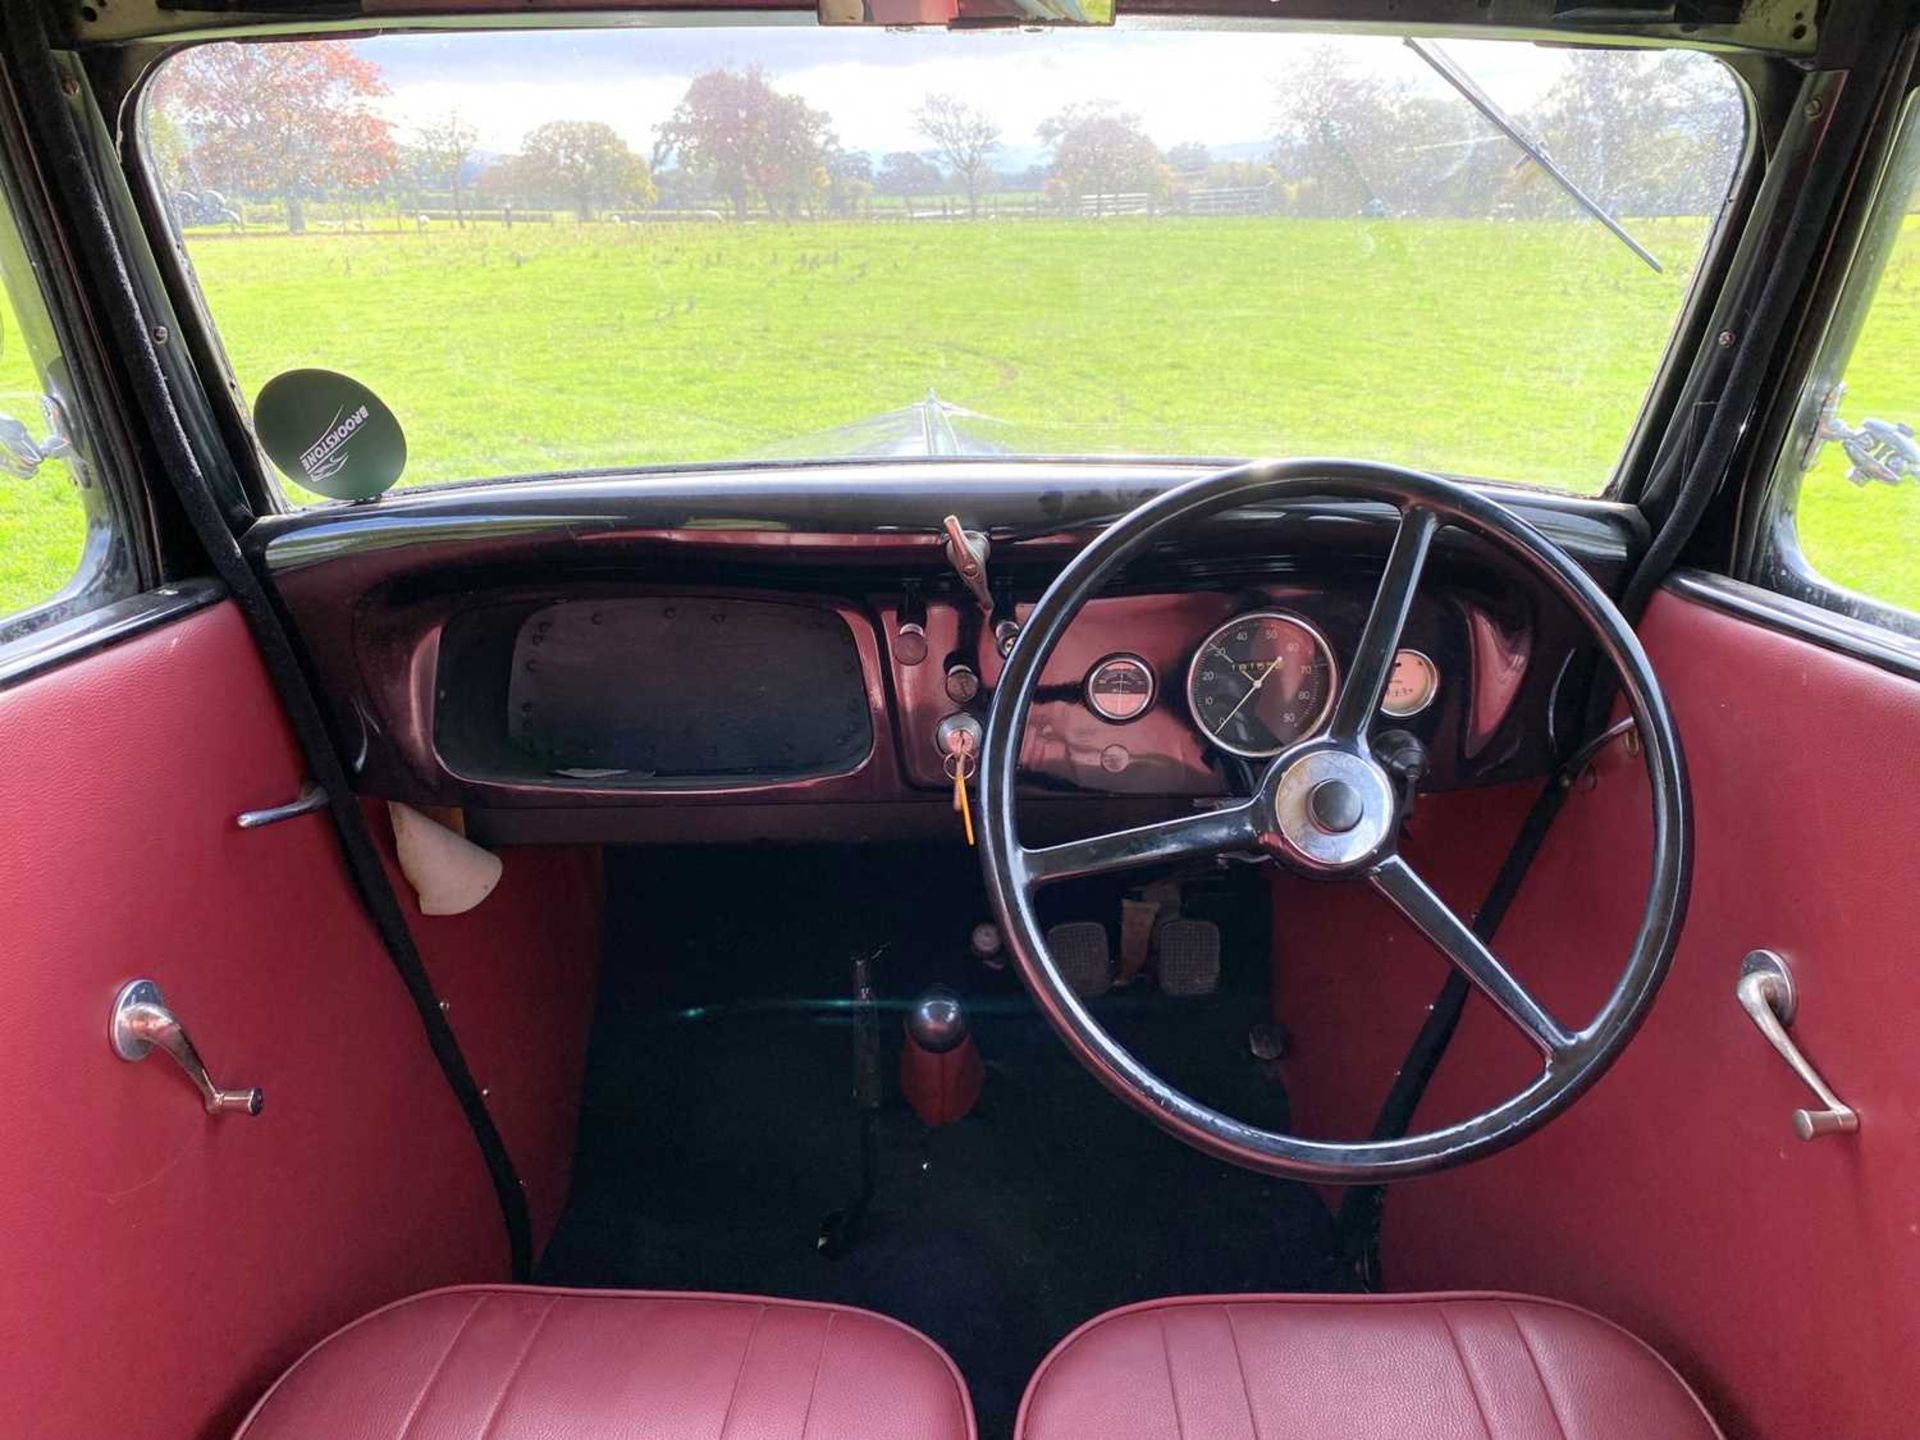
(97, 629)
(351, 536)
(1825, 628)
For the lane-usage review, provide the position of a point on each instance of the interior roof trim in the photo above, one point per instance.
(1762, 28)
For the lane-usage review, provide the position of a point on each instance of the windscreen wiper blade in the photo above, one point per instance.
(1445, 68)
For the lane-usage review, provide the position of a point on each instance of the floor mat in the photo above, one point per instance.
(719, 1129)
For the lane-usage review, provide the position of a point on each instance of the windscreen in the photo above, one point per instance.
(553, 252)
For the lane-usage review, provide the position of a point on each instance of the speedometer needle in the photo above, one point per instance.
(1271, 664)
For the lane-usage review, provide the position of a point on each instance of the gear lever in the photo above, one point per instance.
(940, 1068)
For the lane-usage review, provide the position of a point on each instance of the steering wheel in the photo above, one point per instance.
(1326, 807)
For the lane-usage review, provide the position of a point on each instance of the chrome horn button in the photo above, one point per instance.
(1333, 809)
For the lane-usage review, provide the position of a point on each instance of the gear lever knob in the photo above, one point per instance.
(937, 1022)
(940, 1067)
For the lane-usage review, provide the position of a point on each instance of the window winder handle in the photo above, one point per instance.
(142, 1023)
(1766, 992)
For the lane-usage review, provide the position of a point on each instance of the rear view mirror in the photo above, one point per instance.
(962, 13)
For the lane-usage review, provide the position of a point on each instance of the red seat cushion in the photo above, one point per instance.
(1367, 1367)
(523, 1363)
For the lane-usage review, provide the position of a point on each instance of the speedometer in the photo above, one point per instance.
(1260, 682)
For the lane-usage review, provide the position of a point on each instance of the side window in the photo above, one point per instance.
(1848, 533)
(61, 548)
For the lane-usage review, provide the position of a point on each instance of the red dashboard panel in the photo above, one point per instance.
(375, 592)
(1160, 753)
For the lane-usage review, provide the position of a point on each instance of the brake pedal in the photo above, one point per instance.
(1081, 953)
(1189, 957)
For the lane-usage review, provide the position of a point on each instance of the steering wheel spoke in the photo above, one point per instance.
(1435, 919)
(1211, 832)
(1366, 681)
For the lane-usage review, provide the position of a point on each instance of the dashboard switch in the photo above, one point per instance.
(910, 628)
(910, 643)
(967, 552)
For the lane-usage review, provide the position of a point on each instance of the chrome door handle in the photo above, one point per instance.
(141, 1022)
(1766, 992)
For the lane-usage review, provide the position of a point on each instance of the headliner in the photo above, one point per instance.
(1781, 27)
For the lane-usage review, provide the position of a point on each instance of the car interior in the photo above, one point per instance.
(1293, 815)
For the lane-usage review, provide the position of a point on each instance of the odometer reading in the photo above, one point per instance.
(1261, 682)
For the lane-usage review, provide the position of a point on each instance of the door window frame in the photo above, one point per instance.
(110, 566)
(1769, 574)
(131, 575)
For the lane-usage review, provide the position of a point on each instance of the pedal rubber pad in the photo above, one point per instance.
(1189, 957)
(1083, 957)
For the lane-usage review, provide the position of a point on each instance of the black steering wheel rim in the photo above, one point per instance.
(1573, 1059)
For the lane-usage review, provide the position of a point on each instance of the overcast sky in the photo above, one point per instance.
(1216, 87)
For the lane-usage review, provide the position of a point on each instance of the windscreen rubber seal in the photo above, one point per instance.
(41, 103)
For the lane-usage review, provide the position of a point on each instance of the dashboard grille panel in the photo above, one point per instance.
(687, 688)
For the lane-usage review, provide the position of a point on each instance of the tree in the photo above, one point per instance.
(1033, 178)
(905, 173)
(1101, 151)
(746, 139)
(849, 180)
(587, 162)
(850, 164)
(1340, 132)
(964, 138)
(1191, 158)
(1444, 158)
(288, 122)
(1644, 131)
(1238, 175)
(167, 144)
(443, 149)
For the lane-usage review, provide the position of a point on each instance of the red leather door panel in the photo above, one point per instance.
(1781, 1276)
(159, 1267)
(519, 975)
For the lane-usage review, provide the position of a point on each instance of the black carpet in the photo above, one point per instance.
(719, 1127)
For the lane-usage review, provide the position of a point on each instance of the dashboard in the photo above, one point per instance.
(791, 652)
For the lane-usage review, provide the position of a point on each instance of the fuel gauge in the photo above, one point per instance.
(1411, 685)
(1120, 688)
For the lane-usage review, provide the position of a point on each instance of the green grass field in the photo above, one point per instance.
(1513, 351)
